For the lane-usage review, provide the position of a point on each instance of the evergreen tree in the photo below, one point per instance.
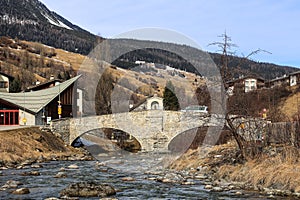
(103, 94)
(170, 100)
(15, 85)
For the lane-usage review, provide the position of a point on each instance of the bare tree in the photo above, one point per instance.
(237, 116)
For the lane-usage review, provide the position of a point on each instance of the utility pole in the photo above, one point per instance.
(59, 109)
(24, 118)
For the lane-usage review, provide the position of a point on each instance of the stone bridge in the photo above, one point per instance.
(154, 129)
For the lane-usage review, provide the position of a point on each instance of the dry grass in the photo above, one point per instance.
(74, 59)
(30, 143)
(279, 172)
(290, 106)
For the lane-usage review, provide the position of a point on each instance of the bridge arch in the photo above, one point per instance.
(153, 129)
(193, 138)
(182, 141)
(110, 138)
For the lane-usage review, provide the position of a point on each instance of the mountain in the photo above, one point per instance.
(237, 66)
(241, 66)
(31, 20)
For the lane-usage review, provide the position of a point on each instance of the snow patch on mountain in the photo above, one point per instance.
(56, 23)
(14, 20)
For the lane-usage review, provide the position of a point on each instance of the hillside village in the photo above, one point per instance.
(237, 139)
(151, 75)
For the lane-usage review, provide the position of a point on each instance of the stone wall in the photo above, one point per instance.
(61, 127)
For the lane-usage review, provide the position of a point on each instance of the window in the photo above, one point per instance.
(154, 105)
(3, 84)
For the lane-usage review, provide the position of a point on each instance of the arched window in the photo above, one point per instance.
(154, 105)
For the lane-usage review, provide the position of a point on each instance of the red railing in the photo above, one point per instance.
(9, 117)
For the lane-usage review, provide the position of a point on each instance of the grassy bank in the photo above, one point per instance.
(33, 144)
(278, 168)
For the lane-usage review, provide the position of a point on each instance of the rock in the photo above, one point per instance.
(88, 189)
(73, 166)
(60, 175)
(100, 164)
(201, 177)
(128, 179)
(208, 187)
(217, 156)
(62, 169)
(31, 173)
(51, 198)
(36, 166)
(217, 189)
(3, 168)
(1, 173)
(231, 187)
(152, 178)
(171, 178)
(20, 167)
(297, 194)
(108, 199)
(188, 183)
(12, 184)
(238, 193)
(27, 162)
(164, 180)
(21, 191)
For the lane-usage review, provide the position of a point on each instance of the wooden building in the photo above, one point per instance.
(39, 107)
(245, 84)
(5, 82)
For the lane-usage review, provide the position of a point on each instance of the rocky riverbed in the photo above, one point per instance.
(35, 164)
(222, 169)
(94, 180)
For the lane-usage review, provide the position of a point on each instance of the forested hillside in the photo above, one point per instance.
(238, 66)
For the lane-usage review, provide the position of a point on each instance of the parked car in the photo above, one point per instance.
(195, 108)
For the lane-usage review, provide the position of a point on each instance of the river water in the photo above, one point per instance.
(115, 168)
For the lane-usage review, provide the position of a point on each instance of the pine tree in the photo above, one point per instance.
(15, 85)
(103, 94)
(170, 100)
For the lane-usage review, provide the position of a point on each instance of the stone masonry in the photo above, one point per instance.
(153, 129)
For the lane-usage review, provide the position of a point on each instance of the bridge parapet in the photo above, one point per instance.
(153, 129)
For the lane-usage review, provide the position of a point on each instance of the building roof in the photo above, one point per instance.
(143, 101)
(245, 77)
(35, 101)
(41, 85)
(8, 76)
(279, 78)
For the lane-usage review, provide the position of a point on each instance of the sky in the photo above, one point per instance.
(271, 25)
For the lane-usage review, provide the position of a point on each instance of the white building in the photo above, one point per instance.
(150, 103)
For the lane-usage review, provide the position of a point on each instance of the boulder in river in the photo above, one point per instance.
(171, 178)
(31, 173)
(36, 166)
(12, 184)
(21, 191)
(61, 175)
(128, 179)
(88, 189)
(73, 166)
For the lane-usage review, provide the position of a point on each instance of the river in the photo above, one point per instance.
(112, 172)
